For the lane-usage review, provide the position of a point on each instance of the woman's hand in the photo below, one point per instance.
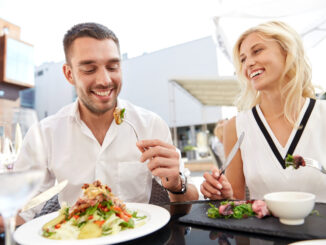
(216, 187)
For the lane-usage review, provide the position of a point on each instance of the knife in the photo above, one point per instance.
(232, 153)
(44, 196)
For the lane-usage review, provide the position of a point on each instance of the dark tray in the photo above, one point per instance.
(313, 228)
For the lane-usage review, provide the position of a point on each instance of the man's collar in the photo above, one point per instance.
(74, 112)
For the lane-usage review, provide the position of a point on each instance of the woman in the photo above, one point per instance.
(217, 141)
(279, 116)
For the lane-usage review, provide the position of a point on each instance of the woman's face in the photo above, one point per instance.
(263, 62)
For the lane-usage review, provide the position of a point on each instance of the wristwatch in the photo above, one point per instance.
(183, 185)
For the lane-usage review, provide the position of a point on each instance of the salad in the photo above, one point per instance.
(97, 213)
(119, 115)
(294, 161)
(238, 209)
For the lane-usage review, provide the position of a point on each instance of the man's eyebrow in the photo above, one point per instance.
(89, 62)
(114, 60)
(85, 62)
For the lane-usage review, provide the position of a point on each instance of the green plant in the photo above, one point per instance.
(189, 148)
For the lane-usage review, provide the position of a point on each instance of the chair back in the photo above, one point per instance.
(158, 195)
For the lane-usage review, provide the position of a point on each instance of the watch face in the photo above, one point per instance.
(184, 183)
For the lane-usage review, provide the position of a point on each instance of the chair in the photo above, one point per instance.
(158, 196)
(50, 206)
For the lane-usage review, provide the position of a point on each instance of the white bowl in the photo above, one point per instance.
(290, 207)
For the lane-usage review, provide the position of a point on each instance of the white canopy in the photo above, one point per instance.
(235, 16)
(308, 18)
(218, 91)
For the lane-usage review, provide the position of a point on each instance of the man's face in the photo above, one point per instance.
(95, 71)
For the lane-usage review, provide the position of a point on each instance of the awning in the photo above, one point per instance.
(219, 91)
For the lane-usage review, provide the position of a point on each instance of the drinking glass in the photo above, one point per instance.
(22, 165)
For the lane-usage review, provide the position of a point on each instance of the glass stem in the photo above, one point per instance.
(10, 224)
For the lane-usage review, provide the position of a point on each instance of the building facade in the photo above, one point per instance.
(16, 65)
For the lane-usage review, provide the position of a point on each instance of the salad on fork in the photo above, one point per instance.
(297, 161)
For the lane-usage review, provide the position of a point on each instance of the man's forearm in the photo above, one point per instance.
(190, 195)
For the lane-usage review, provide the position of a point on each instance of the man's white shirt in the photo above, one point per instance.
(73, 153)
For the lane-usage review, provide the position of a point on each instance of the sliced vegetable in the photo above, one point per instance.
(53, 222)
(90, 230)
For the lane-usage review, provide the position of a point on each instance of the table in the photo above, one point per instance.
(179, 233)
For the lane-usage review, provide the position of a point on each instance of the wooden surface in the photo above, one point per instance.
(204, 164)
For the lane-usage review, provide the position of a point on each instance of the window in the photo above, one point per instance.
(19, 63)
(27, 98)
(39, 73)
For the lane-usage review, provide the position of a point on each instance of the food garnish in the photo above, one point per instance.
(238, 209)
(97, 213)
(119, 115)
(294, 161)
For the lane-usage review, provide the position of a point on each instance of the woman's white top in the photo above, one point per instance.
(263, 171)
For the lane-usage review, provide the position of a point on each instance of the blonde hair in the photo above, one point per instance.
(297, 69)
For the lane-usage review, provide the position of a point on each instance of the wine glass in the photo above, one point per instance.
(22, 163)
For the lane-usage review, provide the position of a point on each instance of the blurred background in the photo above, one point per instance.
(176, 56)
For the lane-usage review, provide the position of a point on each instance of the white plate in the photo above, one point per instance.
(30, 232)
(310, 242)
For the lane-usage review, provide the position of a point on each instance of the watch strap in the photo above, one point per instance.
(183, 186)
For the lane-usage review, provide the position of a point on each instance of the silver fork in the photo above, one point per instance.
(132, 126)
(314, 164)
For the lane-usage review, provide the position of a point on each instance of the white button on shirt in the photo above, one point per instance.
(75, 154)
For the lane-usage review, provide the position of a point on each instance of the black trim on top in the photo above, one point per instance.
(296, 138)
(268, 137)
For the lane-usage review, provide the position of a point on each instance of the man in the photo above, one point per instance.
(83, 141)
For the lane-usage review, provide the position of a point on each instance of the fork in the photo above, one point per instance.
(133, 127)
(314, 164)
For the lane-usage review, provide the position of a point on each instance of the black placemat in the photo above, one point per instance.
(313, 228)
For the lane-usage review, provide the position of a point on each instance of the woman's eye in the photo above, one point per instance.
(242, 60)
(256, 51)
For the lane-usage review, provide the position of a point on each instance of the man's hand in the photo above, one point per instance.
(163, 161)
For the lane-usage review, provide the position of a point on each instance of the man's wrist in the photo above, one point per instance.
(183, 189)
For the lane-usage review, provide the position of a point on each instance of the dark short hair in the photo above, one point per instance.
(89, 29)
